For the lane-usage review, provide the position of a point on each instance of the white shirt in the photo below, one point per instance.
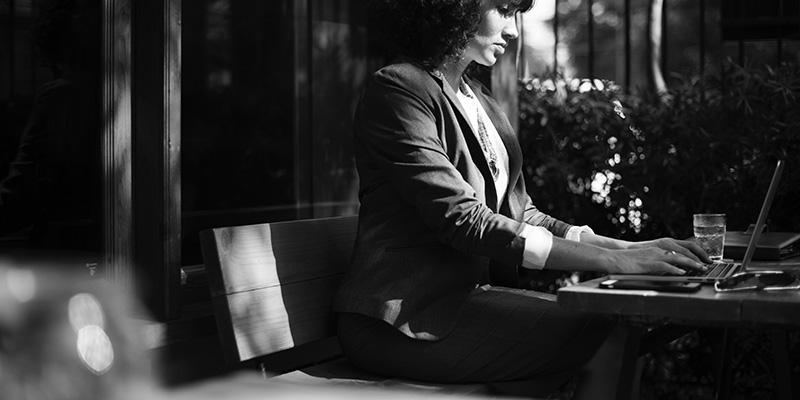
(472, 106)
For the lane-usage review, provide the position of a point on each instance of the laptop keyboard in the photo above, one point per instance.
(714, 270)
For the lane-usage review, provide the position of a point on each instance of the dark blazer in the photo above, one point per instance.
(429, 221)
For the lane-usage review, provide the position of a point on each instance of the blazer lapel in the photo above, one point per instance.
(506, 132)
(471, 138)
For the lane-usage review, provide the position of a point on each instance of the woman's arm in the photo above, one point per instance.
(603, 254)
(686, 248)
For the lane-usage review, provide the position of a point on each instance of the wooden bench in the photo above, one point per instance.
(272, 288)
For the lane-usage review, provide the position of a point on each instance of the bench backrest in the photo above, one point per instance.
(272, 285)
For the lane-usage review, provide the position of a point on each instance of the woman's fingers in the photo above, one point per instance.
(659, 261)
(683, 261)
(696, 250)
(655, 259)
(686, 248)
(666, 266)
(689, 250)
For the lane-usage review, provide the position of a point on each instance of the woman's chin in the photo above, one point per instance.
(487, 61)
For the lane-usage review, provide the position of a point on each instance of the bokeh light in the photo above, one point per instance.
(21, 284)
(87, 320)
(85, 310)
(94, 348)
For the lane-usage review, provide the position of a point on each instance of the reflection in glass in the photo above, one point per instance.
(268, 94)
(49, 166)
(237, 107)
(340, 63)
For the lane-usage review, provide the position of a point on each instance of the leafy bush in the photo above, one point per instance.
(636, 166)
(569, 132)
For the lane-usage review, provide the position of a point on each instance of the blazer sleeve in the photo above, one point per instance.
(399, 124)
(534, 216)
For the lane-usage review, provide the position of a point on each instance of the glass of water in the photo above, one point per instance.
(709, 232)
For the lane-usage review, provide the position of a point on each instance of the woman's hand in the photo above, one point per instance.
(599, 253)
(686, 248)
(653, 259)
(662, 255)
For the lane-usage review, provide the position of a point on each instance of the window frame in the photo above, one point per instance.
(141, 118)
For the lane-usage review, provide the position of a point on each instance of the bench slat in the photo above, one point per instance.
(250, 257)
(272, 285)
(277, 318)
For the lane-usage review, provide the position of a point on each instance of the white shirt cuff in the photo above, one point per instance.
(574, 232)
(538, 242)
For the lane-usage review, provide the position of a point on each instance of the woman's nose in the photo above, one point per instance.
(510, 31)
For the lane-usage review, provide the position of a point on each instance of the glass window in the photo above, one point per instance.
(237, 109)
(50, 113)
(268, 93)
(340, 62)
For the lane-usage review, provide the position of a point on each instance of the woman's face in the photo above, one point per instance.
(498, 25)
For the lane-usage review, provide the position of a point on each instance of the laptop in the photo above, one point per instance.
(721, 270)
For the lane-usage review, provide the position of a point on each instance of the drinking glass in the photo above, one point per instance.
(709, 231)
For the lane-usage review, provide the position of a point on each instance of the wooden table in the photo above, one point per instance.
(776, 311)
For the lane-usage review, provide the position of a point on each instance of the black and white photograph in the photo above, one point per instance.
(400, 199)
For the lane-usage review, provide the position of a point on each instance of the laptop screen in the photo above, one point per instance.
(762, 216)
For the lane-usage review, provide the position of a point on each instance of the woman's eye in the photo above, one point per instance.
(505, 10)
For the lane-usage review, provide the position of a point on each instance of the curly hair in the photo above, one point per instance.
(431, 31)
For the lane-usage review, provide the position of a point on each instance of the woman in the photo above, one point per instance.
(442, 197)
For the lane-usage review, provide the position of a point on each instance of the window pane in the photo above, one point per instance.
(237, 116)
(50, 109)
(340, 63)
(237, 108)
(268, 94)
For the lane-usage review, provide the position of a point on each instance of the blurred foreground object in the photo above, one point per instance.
(67, 334)
(64, 335)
